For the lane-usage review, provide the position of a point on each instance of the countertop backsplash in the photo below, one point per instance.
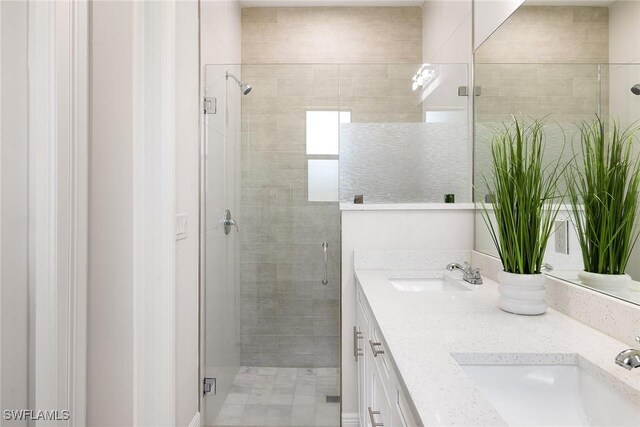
(615, 317)
(407, 260)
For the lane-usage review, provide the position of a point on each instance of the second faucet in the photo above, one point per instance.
(469, 274)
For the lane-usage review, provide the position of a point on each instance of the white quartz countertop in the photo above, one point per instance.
(422, 330)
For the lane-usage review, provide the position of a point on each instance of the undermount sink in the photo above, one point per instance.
(426, 285)
(553, 395)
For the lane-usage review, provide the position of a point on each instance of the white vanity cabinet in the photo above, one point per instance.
(381, 402)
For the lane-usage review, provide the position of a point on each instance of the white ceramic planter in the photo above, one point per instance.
(608, 282)
(522, 293)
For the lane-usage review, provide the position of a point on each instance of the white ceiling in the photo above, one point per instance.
(304, 3)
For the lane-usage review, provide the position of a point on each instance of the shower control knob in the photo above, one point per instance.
(229, 222)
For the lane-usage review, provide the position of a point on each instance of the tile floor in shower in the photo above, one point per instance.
(282, 397)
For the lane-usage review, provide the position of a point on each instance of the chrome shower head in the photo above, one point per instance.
(244, 88)
(636, 89)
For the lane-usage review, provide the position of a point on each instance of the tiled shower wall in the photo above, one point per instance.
(289, 319)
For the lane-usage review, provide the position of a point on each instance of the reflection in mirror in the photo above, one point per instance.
(565, 64)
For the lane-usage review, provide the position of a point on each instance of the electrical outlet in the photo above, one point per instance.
(562, 237)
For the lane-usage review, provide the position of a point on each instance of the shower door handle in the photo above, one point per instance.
(325, 247)
(229, 222)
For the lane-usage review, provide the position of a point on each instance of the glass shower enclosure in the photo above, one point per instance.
(283, 146)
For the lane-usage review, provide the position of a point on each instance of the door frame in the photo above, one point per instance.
(154, 212)
(58, 204)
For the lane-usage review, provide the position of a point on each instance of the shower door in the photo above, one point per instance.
(288, 263)
(220, 334)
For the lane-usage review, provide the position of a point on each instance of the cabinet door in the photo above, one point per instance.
(400, 413)
(379, 409)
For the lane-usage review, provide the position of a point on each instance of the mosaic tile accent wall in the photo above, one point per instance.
(404, 162)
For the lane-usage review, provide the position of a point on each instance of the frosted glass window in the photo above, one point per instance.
(323, 131)
(323, 180)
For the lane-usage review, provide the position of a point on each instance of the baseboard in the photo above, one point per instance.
(195, 421)
(350, 420)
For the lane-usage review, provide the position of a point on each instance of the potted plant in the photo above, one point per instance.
(522, 190)
(603, 190)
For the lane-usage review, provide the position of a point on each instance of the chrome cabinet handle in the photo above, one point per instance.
(229, 222)
(325, 246)
(372, 417)
(374, 349)
(357, 335)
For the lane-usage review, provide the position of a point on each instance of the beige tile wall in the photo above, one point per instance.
(332, 35)
(288, 317)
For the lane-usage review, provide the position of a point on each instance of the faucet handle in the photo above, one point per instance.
(638, 339)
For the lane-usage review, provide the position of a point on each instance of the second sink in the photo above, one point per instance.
(553, 395)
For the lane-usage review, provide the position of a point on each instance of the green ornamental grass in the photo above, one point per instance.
(605, 185)
(522, 190)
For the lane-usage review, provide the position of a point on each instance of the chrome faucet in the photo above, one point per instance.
(630, 358)
(469, 274)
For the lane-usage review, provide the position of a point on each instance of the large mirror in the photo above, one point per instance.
(566, 64)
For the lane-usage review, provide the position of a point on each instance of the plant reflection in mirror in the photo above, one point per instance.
(604, 184)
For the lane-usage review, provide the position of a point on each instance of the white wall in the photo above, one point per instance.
(390, 230)
(110, 297)
(14, 179)
(624, 31)
(113, 311)
(624, 48)
(187, 202)
(220, 22)
(489, 15)
(446, 31)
